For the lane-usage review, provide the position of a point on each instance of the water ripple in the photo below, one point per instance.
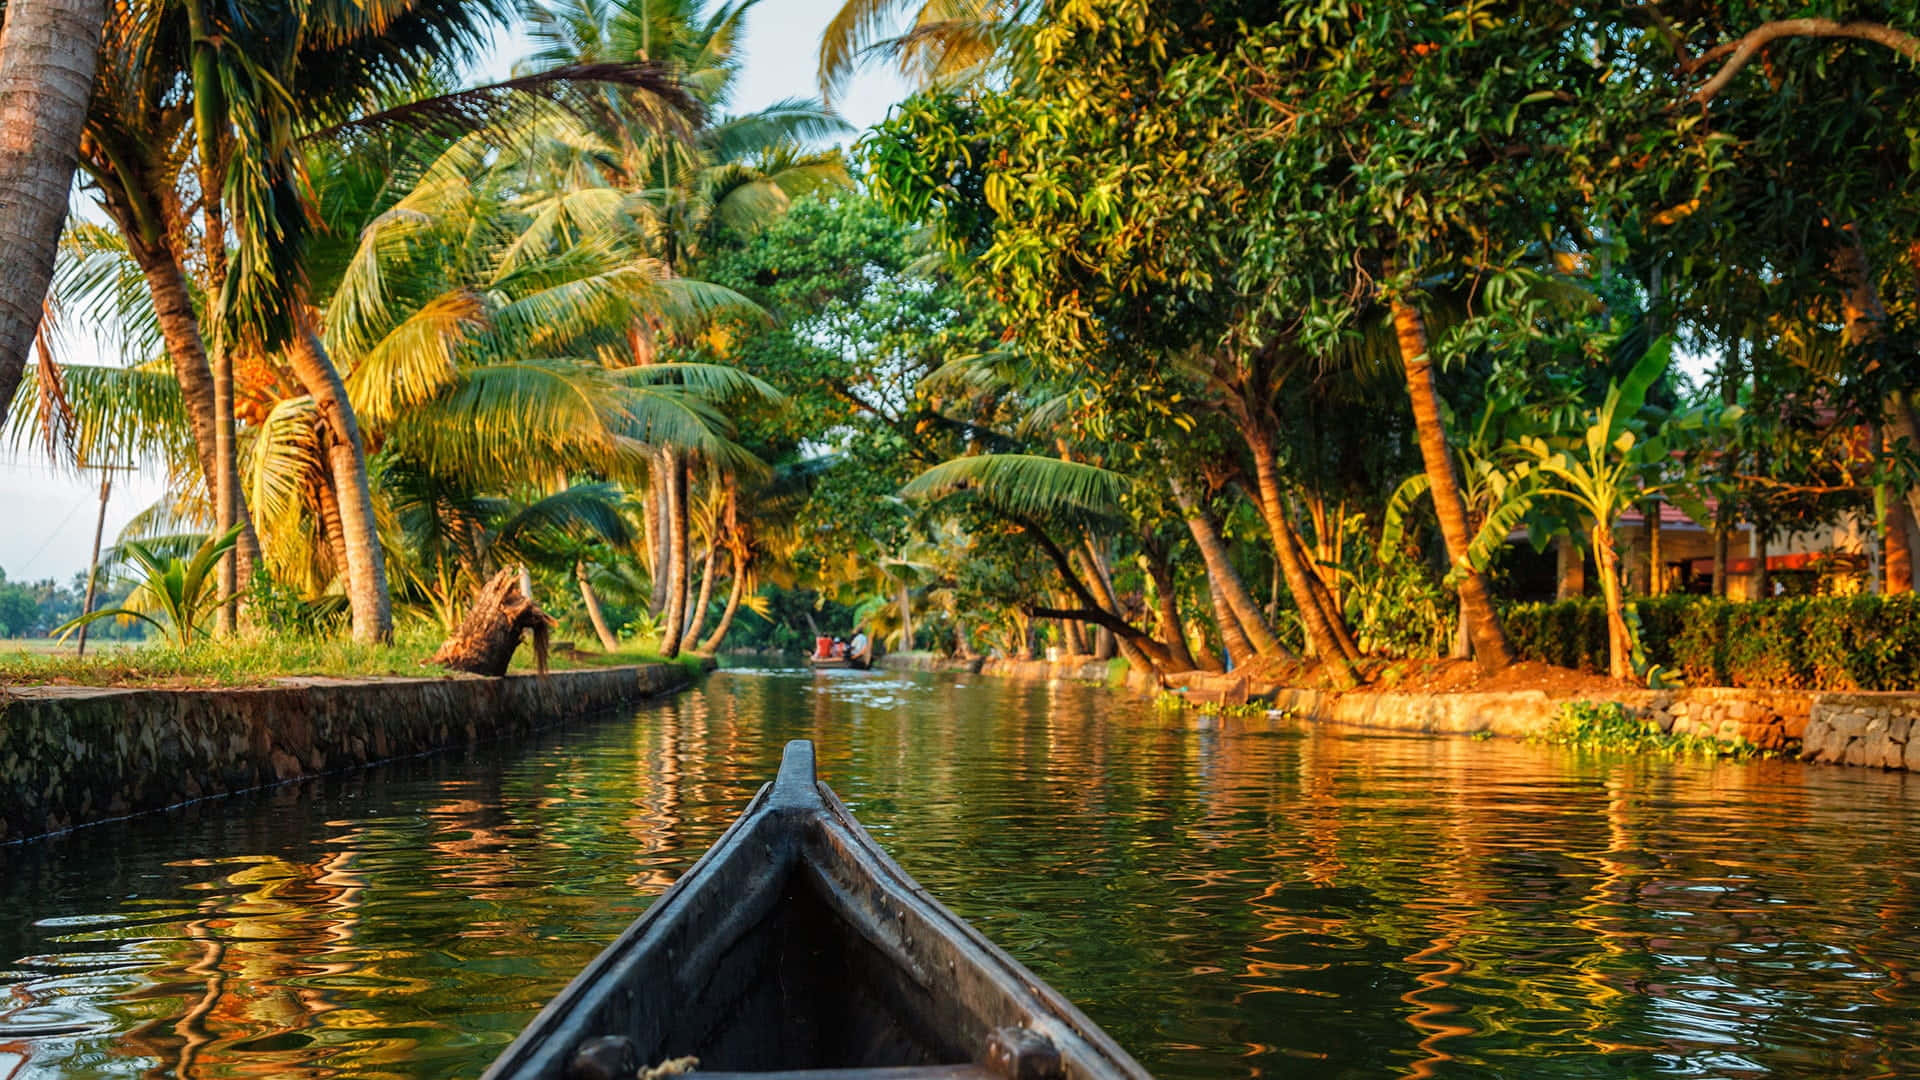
(1232, 901)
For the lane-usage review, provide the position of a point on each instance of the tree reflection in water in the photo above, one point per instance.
(1226, 898)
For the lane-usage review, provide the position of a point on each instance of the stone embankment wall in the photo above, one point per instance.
(1877, 730)
(71, 755)
(1772, 720)
(1880, 730)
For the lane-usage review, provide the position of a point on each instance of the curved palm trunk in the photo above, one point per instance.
(906, 618)
(1326, 642)
(588, 597)
(1250, 624)
(1232, 634)
(675, 611)
(1490, 647)
(698, 622)
(1167, 608)
(1105, 643)
(1110, 642)
(48, 52)
(187, 352)
(734, 596)
(340, 431)
(336, 535)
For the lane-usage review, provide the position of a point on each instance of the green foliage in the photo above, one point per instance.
(280, 609)
(1799, 643)
(1608, 726)
(181, 590)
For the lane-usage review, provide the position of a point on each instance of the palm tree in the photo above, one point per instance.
(48, 51)
(728, 175)
(944, 41)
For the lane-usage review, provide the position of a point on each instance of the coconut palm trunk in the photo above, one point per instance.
(697, 622)
(366, 576)
(675, 610)
(1325, 640)
(1232, 634)
(1490, 647)
(658, 526)
(1167, 608)
(735, 594)
(592, 600)
(48, 52)
(1250, 624)
(187, 352)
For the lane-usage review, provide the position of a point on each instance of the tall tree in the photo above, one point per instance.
(48, 52)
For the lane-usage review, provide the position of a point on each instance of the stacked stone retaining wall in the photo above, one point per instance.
(1876, 730)
(72, 755)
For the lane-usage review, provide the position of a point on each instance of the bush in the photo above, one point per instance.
(1791, 643)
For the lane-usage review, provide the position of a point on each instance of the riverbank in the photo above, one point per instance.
(70, 755)
(1873, 730)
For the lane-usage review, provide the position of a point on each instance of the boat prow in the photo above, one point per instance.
(796, 946)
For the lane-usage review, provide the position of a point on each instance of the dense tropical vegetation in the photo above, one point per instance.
(1193, 334)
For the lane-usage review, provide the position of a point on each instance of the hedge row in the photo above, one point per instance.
(1798, 643)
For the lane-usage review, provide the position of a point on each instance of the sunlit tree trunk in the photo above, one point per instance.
(1167, 607)
(1325, 642)
(587, 596)
(675, 611)
(1896, 549)
(330, 527)
(1232, 634)
(48, 52)
(366, 576)
(187, 352)
(698, 621)
(1250, 623)
(1105, 643)
(1490, 647)
(734, 595)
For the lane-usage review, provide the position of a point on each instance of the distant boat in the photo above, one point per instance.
(796, 950)
(839, 662)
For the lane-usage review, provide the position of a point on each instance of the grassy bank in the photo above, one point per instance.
(255, 661)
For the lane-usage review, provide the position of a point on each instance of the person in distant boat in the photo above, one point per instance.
(861, 650)
(839, 649)
(822, 647)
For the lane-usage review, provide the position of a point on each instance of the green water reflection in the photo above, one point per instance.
(1230, 901)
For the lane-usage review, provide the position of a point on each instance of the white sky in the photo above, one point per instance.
(51, 513)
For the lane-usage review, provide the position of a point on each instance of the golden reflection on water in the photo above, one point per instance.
(1234, 899)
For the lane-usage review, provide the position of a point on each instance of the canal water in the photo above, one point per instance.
(1226, 900)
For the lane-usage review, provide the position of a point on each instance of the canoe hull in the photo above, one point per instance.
(797, 944)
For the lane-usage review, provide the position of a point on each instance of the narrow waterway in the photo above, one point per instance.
(1226, 901)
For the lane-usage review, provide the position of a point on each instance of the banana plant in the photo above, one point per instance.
(182, 590)
(1623, 454)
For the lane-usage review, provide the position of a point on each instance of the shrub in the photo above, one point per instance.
(1790, 643)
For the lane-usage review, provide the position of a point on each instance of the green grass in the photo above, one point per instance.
(255, 661)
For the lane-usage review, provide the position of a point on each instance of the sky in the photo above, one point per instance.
(51, 512)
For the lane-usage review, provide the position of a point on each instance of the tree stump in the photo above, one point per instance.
(501, 615)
